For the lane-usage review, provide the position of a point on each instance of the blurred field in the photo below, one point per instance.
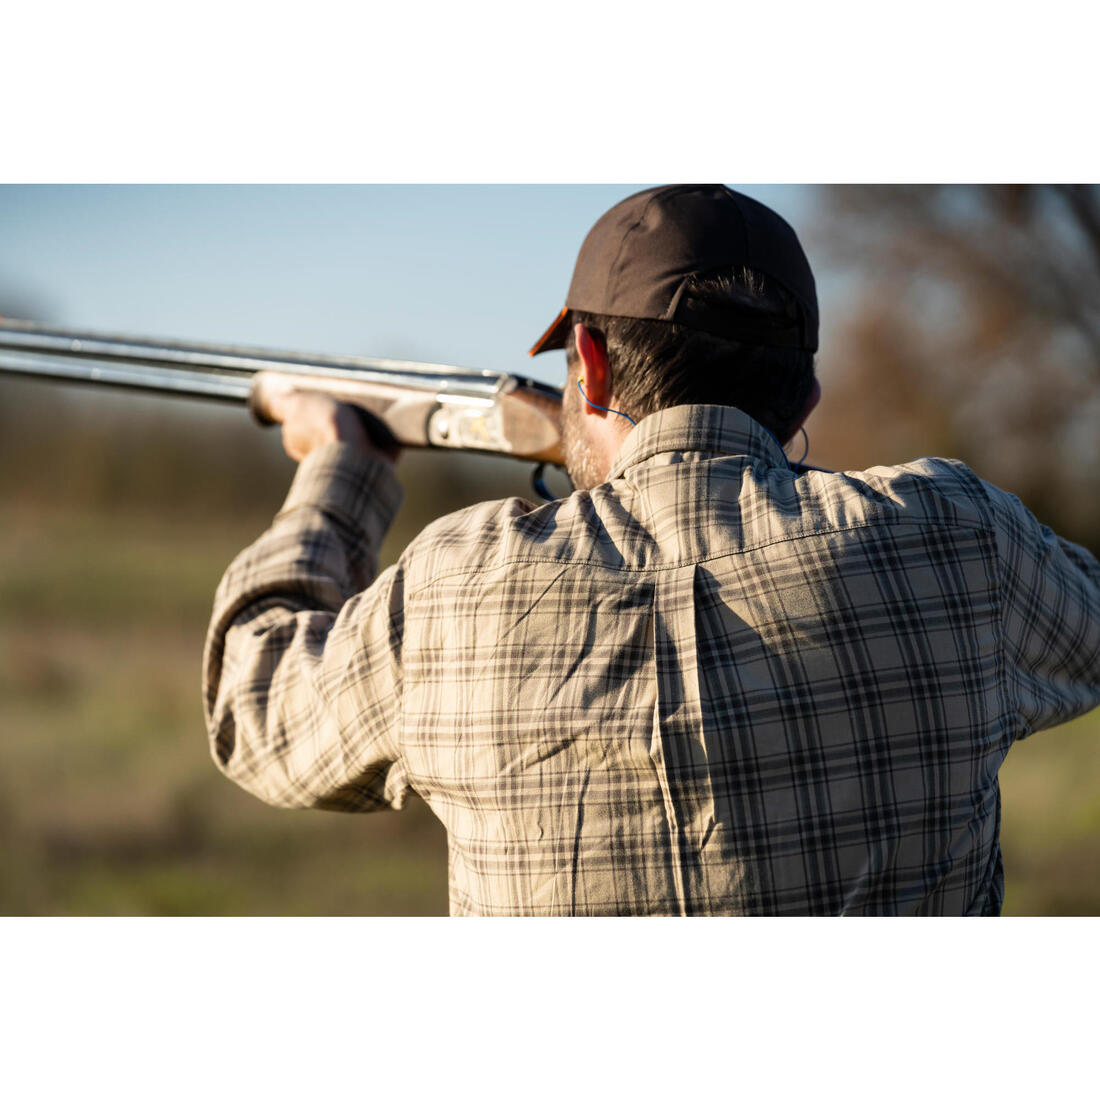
(108, 798)
(1050, 794)
(111, 545)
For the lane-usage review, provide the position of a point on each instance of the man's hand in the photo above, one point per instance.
(311, 419)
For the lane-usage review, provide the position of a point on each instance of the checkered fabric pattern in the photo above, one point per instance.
(709, 686)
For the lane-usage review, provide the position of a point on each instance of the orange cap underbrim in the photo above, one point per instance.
(554, 336)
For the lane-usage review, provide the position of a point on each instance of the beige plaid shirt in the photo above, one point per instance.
(711, 685)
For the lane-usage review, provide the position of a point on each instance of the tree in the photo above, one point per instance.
(970, 327)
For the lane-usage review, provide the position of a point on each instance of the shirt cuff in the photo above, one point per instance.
(344, 481)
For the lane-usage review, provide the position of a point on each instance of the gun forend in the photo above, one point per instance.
(517, 417)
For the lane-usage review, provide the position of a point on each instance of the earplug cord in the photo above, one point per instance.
(604, 408)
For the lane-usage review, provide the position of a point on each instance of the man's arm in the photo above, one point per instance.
(1050, 617)
(302, 667)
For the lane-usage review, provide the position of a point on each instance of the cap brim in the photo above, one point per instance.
(554, 337)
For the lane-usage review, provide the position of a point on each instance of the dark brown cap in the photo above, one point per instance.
(638, 258)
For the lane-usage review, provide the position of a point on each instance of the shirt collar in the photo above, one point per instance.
(711, 429)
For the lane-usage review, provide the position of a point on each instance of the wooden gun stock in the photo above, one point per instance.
(522, 419)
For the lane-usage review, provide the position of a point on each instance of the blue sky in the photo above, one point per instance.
(469, 275)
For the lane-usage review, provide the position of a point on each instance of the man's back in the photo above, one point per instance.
(713, 686)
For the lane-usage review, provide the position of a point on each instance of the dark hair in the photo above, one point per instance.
(658, 364)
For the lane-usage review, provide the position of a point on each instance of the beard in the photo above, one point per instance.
(580, 461)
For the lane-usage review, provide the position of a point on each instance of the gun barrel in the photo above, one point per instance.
(29, 338)
(424, 404)
(210, 385)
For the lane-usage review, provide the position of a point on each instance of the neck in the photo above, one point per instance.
(607, 437)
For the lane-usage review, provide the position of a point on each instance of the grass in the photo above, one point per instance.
(110, 805)
(108, 798)
(1050, 795)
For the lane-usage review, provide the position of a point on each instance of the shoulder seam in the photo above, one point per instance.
(475, 570)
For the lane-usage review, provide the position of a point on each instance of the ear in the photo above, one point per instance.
(595, 375)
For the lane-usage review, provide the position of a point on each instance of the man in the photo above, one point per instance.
(706, 682)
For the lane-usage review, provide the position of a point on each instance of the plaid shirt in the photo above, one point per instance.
(708, 686)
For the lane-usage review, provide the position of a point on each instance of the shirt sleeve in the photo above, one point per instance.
(302, 665)
(1050, 618)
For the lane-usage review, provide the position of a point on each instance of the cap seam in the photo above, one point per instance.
(622, 244)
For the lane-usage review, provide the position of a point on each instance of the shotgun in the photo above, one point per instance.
(422, 404)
